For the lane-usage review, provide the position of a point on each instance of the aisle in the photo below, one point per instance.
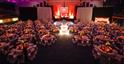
(64, 52)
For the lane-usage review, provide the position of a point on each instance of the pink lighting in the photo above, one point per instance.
(14, 1)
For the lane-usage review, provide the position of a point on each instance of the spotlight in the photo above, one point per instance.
(64, 30)
(1, 21)
(15, 19)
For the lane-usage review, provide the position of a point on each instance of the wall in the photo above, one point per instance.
(84, 14)
(44, 13)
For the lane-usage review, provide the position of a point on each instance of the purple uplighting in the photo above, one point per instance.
(14, 1)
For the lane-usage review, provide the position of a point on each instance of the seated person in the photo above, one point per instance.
(48, 39)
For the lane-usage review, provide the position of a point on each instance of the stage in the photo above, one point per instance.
(63, 26)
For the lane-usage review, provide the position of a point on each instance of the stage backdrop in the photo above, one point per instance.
(44, 13)
(84, 14)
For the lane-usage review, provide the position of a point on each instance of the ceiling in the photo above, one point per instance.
(64, 2)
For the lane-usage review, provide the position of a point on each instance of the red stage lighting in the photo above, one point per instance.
(64, 12)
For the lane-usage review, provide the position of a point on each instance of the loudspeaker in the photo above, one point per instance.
(87, 4)
(83, 4)
(91, 5)
(45, 3)
(38, 5)
(41, 4)
(26, 13)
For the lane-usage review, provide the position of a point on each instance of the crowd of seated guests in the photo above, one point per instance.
(82, 35)
(9, 36)
(48, 39)
(28, 33)
(16, 42)
(45, 32)
(107, 40)
(73, 29)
